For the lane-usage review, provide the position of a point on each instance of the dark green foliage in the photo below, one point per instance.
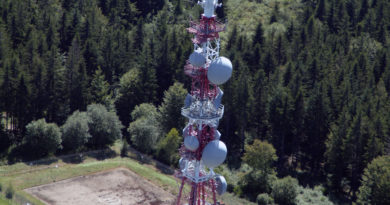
(100, 90)
(75, 131)
(260, 156)
(130, 94)
(10, 192)
(5, 142)
(167, 149)
(253, 183)
(104, 126)
(170, 109)
(321, 10)
(145, 130)
(376, 182)
(42, 138)
(285, 191)
(264, 199)
(317, 129)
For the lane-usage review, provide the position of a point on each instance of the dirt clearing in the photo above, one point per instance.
(116, 187)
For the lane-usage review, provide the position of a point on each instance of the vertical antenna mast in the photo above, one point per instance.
(202, 146)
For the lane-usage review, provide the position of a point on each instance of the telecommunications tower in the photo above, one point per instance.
(202, 150)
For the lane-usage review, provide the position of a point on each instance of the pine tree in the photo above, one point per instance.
(259, 35)
(6, 92)
(330, 18)
(335, 159)
(298, 127)
(317, 128)
(148, 73)
(170, 108)
(269, 64)
(363, 10)
(76, 77)
(259, 113)
(100, 90)
(351, 10)
(22, 105)
(279, 112)
(321, 10)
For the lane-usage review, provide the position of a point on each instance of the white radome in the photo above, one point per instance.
(197, 59)
(220, 71)
(214, 153)
(191, 143)
(221, 184)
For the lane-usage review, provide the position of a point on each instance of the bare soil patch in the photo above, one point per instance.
(116, 187)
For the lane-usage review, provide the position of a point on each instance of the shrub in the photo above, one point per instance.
(264, 199)
(285, 190)
(144, 131)
(43, 138)
(375, 186)
(254, 183)
(309, 196)
(167, 150)
(9, 193)
(75, 131)
(260, 156)
(104, 126)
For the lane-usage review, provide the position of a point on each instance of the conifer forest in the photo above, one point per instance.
(307, 108)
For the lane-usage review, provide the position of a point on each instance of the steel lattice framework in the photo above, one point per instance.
(202, 112)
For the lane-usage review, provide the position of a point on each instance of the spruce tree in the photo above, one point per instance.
(321, 10)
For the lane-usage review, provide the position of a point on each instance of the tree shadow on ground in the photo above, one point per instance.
(74, 159)
(23, 153)
(164, 168)
(102, 155)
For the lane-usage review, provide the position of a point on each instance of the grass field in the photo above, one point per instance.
(3, 202)
(23, 176)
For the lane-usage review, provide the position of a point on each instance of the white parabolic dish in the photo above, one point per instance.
(220, 71)
(191, 143)
(221, 184)
(197, 59)
(214, 153)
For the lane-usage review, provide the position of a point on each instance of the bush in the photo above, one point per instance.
(264, 199)
(9, 193)
(285, 190)
(75, 131)
(104, 126)
(145, 131)
(254, 183)
(42, 138)
(309, 196)
(375, 186)
(260, 156)
(168, 148)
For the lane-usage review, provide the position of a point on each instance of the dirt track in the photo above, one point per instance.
(116, 187)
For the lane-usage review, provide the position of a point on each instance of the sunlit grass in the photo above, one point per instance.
(4, 202)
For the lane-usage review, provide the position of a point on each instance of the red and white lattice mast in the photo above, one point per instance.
(202, 147)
